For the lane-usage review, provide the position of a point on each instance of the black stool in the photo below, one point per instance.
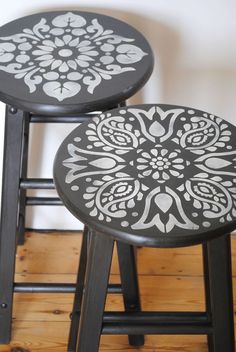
(55, 67)
(154, 176)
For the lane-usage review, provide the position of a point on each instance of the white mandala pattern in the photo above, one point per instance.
(167, 168)
(67, 55)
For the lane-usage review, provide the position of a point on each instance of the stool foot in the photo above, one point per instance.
(96, 282)
(219, 294)
(9, 216)
(130, 287)
(75, 315)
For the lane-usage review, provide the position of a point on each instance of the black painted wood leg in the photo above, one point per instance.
(9, 216)
(219, 295)
(75, 316)
(22, 196)
(96, 282)
(130, 287)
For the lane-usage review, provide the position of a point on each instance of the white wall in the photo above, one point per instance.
(195, 49)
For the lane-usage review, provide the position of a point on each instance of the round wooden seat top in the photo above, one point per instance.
(58, 63)
(154, 175)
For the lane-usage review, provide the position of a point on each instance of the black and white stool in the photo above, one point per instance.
(55, 67)
(153, 176)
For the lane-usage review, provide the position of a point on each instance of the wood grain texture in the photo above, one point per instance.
(170, 279)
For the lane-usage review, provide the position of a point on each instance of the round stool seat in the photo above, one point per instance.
(153, 175)
(69, 62)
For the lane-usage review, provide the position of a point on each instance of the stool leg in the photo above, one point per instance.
(9, 216)
(219, 293)
(96, 282)
(22, 196)
(129, 282)
(78, 293)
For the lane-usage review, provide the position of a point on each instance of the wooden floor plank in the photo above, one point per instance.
(58, 253)
(52, 338)
(170, 279)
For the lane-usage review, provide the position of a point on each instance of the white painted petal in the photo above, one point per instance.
(129, 54)
(107, 47)
(165, 176)
(69, 19)
(39, 52)
(78, 31)
(142, 160)
(59, 42)
(163, 201)
(178, 167)
(146, 155)
(104, 163)
(6, 57)
(82, 63)
(179, 160)
(72, 64)
(49, 43)
(7, 47)
(61, 91)
(46, 63)
(74, 42)
(25, 46)
(84, 43)
(67, 38)
(164, 152)
(74, 76)
(106, 60)
(154, 152)
(217, 163)
(142, 167)
(44, 57)
(156, 129)
(174, 173)
(57, 31)
(64, 67)
(51, 76)
(45, 48)
(56, 64)
(156, 175)
(22, 59)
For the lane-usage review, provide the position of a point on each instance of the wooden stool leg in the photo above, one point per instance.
(22, 195)
(219, 294)
(75, 316)
(9, 216)
(96, 282)
(130, 287)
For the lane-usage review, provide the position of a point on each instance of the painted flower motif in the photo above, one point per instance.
(208, 191)
(119, 190)
(67, 55)
(189, 191)
(160, 164)
(110, 197)
(114, 134)
(205, 132)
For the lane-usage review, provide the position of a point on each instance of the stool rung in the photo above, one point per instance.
(61, 119)
(55, 288)
(37, 183)
(137, 323)
(43, 201)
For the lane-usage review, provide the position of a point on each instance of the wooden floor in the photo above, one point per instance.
(170, 279)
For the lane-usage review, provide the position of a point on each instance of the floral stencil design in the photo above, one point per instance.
(154, 167)
(161, 164)
(67, 55)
